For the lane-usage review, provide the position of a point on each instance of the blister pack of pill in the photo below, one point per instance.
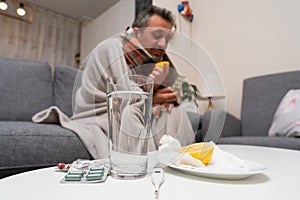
(87, 171)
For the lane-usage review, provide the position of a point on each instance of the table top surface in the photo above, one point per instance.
(279, 181)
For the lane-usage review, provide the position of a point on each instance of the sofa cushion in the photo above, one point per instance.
(25, 88)
(287, 117)
(25, 144)
(261, 97)
(65, 87)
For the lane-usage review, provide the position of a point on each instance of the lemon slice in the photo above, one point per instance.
(163, 64)
(202, 151)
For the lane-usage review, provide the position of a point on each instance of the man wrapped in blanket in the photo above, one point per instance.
(139, 50)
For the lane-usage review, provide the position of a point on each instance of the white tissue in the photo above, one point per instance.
(169, 144)
(187, 159)
(224, 160)
(167, 152)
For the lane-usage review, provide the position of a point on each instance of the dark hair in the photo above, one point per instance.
(142, 19)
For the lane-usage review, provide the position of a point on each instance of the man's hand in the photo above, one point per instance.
(159, 75)
(164, 95)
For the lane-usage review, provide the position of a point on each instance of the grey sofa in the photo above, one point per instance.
(260, 99)
(27, 87)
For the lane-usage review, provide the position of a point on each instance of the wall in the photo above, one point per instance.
(113, 21)
(51, 37)
(245, 38)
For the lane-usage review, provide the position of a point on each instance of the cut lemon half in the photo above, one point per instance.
(163, 64)
(202, 151)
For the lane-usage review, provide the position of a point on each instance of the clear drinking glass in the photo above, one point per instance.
(129, 99)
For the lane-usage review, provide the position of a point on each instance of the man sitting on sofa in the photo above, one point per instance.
(136, 51)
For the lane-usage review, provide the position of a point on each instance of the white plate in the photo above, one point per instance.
(251, 168)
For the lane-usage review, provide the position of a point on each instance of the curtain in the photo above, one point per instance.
(51, 37)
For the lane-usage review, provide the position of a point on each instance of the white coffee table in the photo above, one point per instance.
(279, 181)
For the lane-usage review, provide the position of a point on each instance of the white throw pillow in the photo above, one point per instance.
(286, 120)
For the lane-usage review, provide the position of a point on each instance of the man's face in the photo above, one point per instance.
(155, 36)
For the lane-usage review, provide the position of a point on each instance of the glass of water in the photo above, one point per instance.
(129, 100)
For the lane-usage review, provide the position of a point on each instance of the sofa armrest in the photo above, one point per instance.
(219, 123)
(195, 120)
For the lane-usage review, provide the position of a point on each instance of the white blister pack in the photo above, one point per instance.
(87, 171)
